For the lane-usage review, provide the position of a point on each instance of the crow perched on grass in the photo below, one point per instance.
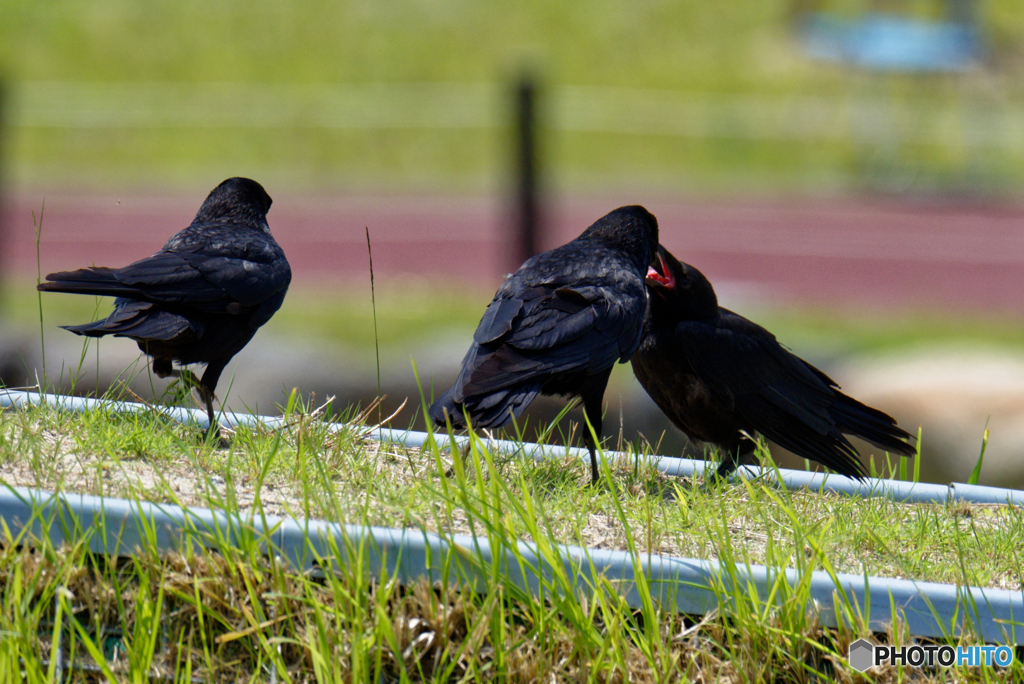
(715, 374)
(203, 296)
(557, 326)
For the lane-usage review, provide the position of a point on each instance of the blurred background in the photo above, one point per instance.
(848, 173)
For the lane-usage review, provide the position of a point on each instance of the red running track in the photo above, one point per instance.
(877, 254)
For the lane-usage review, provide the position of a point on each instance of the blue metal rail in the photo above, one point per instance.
(690, 586)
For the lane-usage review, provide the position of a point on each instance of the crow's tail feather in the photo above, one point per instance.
(140, 321)
(790, 432)
(860, 420)
(492, 411)
(445, 406)
(94, 281)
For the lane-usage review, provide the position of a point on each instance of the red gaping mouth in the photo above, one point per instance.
(656, 279)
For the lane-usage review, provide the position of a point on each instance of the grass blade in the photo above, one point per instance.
(976, 473)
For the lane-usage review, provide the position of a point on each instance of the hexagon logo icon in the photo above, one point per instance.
(861, 655)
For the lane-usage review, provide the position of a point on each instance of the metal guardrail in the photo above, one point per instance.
(907, 492)
(688, 585)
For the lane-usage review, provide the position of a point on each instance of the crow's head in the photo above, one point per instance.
(239, 200)
(631, 230)
(679, 287)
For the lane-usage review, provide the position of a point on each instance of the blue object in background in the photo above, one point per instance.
(884, 42)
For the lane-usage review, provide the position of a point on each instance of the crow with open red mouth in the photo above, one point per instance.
(557, 326)
(720, 377)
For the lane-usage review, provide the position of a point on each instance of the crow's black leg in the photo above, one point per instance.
(207, 395)
(732, 459)
(730, 462)
(206, 388)
(460, 453)
(454, 448)
(163, 369)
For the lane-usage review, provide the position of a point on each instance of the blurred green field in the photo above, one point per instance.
(737, 46)
(722, 50)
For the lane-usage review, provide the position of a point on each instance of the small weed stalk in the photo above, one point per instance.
(38, 228)
(376, 339)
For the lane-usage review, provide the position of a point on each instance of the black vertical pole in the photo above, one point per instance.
(527, 212)
(4, 234)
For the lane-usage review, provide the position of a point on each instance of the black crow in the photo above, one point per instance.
(203, 296)
(557, 326)
(720, 378)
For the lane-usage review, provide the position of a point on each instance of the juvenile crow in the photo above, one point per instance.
(715, 374)
(557, 326)
(203, 296)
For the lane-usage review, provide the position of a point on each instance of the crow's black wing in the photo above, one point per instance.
(210, 283)
(140, 321)
(854, 418)
(740, 358)
(539, 334)
(770, 389)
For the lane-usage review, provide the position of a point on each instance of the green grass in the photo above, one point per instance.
(236, 609)
(315, 473)
(747, 47)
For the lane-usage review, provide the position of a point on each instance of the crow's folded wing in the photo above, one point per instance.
(770, 389)
(142, 321)
(548, 330)
(739, 360)
(216, 284)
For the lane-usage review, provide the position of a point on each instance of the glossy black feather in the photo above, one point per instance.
(557, 325)
(716, 374)
(203, 296)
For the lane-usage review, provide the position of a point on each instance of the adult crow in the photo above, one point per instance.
(203, 296)
(720, 378)
(557, 326)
